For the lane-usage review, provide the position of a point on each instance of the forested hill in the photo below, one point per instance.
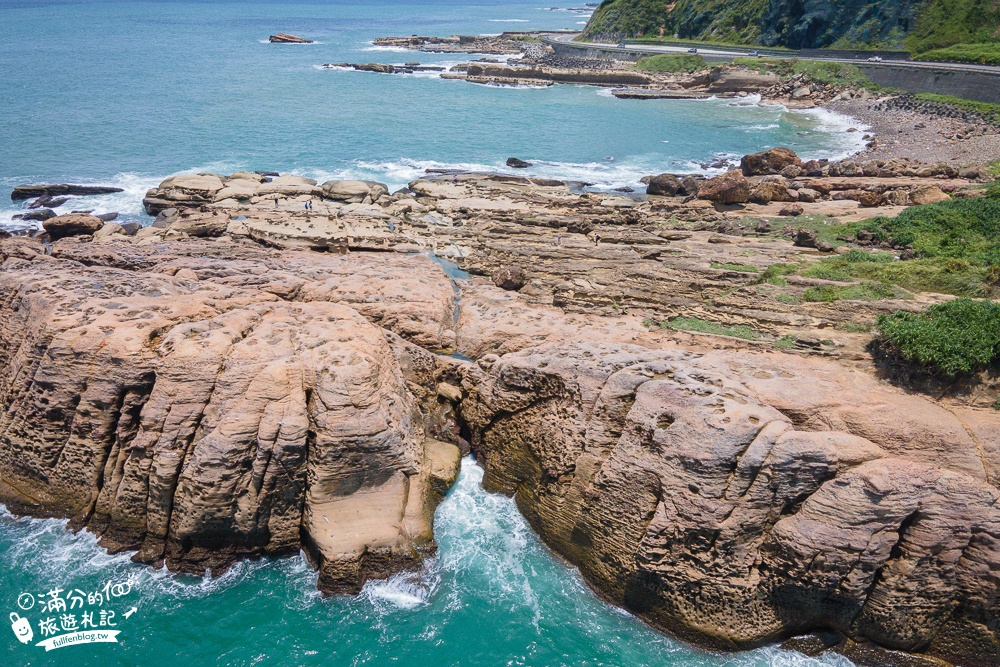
(918, 24)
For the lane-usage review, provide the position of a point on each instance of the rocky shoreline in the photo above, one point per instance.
(279, 364)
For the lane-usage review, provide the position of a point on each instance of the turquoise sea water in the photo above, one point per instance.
(494, 596)
(130, 92)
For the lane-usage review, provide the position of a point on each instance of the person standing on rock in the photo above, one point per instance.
(559, 240)
(597, 239)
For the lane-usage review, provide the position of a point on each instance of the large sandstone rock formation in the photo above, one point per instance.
(688, 497)
(197, 422)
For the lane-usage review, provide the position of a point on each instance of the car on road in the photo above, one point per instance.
(875, 59)
(622, 45)
(692, 50)
(754, 54)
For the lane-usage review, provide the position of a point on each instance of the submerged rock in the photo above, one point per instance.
(33, 191)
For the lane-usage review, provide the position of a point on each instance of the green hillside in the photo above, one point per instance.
(920, 25)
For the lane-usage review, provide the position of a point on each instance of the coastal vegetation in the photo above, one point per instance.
(672, 63)
(919, 25)
(982, 54)
(990, 111)
(817, 71)
(952, 338)
(953, 247)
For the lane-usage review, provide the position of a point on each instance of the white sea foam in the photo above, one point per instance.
(510, 20)
(313, 43)
(387, 49)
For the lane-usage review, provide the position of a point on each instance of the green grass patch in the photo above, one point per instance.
(773, 274)
(956, 244)
(866, 291)
(786, 342)
(672, 63)
(990, 111)
(742, 268)
(788, 299)
(957, 337)
(983, 54)
(817, 71)
(704, 326)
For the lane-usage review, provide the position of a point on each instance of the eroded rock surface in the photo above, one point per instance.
(688, 497)
(198, 422)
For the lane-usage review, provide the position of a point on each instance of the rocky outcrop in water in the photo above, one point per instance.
(279, 364)
(285, 38)
(700, 492)
(199, 420)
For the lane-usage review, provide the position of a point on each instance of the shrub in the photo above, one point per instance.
(957, 337)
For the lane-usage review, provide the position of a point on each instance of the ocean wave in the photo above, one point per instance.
(387, 49)
(313, 43)
(509, 20)
(128, 204)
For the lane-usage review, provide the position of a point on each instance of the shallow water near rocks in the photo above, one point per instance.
(494, 595)
(128, 93)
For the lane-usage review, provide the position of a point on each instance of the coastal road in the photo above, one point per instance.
(714, 52)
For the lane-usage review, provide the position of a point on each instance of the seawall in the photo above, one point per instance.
(981, 85)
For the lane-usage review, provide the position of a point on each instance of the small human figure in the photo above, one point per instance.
(559, 240)
(454, 179)
(597, 239)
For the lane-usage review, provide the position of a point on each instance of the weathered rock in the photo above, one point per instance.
(285, 38)
(510, 278)
(769, 162)
(684, 496)
(32, 191)
(868, 199)
(927, 194)
(766, 192)
(73, 224)
(664, 185)
(223, 423)
(791, 210)
(38, 215)
(517, 163)
(354, 192)
(730, 188)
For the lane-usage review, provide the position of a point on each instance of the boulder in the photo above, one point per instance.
(764, 193)
(183, 190)
(729, 188)
(791, 210)
(288, 185)
(510, 278)
(769, 162)
(928, 194)
(808, 195)
(517, 163)
(664, 185)
(107, 230)
(37, 215)
(74, 224)
(354, 192)
(868, 199)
